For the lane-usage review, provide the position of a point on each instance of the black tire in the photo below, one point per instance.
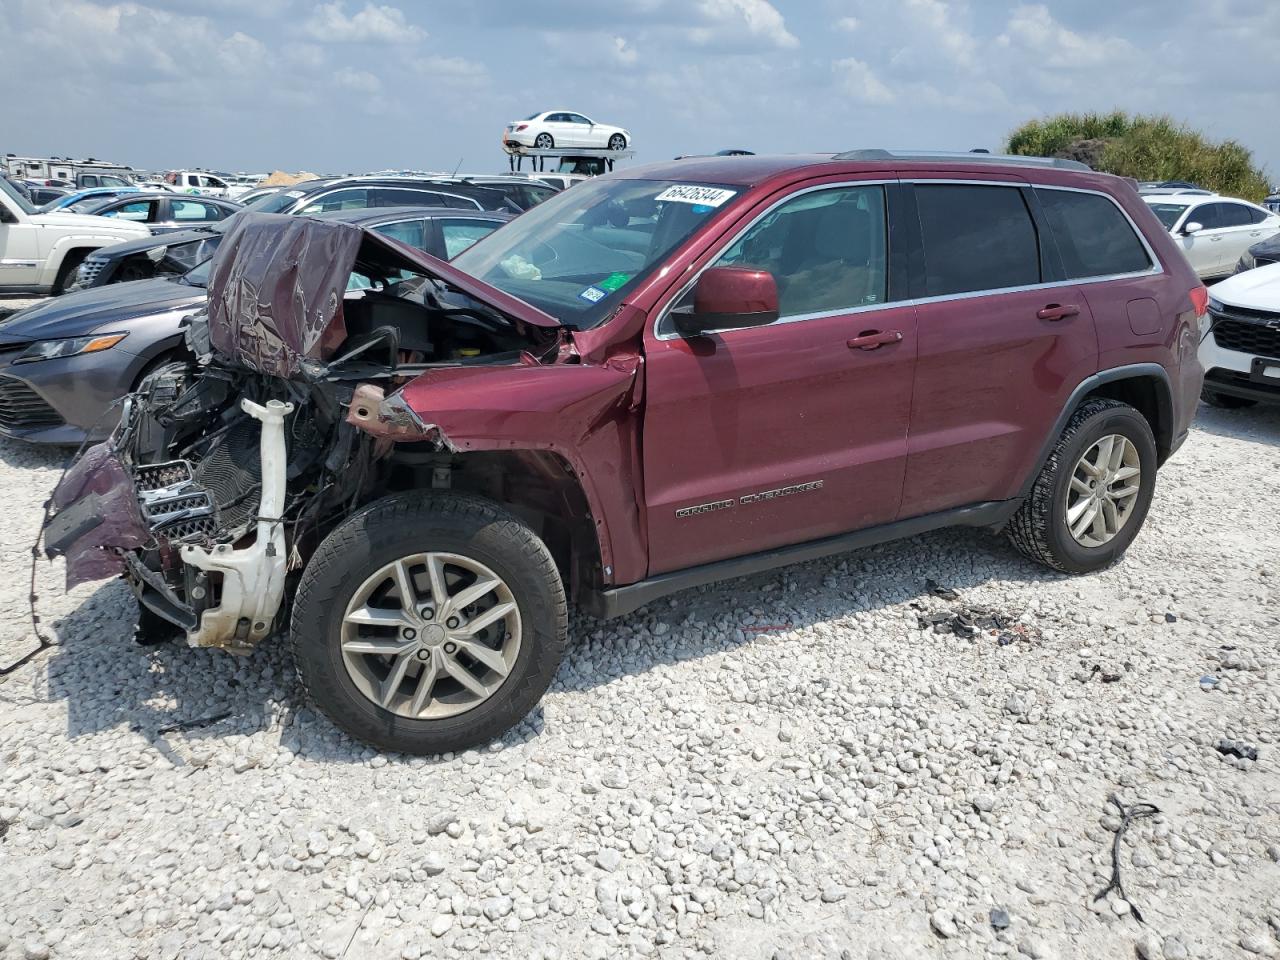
(544, 141)
(410, 523)
(1039, 529)
(617, 142)
(1225, 401)
(70, 263)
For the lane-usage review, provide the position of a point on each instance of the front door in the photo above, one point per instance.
(758, 438)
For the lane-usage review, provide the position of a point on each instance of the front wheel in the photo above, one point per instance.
(1092, 496)
(617, 142)
(67, 272)
(429, 623)
(544, 141)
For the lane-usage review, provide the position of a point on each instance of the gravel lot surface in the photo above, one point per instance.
(788, 766)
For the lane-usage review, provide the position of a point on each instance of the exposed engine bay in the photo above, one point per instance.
(228, 469)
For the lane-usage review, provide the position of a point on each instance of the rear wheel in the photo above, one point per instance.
(544, 141)
(617, 142)
(1225, 401)
(429, 623)
(1092, 496)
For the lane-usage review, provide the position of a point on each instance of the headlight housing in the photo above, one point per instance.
(70, 347)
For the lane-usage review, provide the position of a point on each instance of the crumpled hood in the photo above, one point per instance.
(277, 282)
(91, 224)
(1253, 290)
(84, 311)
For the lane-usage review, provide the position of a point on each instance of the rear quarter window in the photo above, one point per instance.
(976, 238)
(1094, 238)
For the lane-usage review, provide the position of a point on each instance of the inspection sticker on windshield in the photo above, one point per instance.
(594, 294)
(614, 282)
(692, 193)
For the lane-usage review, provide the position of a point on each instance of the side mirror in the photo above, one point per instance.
(7, 215)
(728, 298)
(1192, 228)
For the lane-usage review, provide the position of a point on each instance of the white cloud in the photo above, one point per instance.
(359, 81)
(936, 17)
(848, 24)
(374, 24)
(861, 83)
(1033, 30)
(757, 19)
(624, 53)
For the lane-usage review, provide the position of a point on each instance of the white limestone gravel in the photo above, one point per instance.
(780, 767)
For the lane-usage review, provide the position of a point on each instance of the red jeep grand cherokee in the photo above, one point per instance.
(660, 378)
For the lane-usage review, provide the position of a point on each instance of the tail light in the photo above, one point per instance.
(523, 126)
(1200, 299)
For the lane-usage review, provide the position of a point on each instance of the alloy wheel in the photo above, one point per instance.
(1104, 490)
(431, 635)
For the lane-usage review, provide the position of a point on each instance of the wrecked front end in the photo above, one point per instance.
(228, 469)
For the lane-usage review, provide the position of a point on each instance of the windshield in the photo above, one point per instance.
(18, 200)
(1168, 212)
(199, 277)
(275, 202)
(573, 256)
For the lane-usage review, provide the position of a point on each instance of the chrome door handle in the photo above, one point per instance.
(874, 339)
(1057, 311)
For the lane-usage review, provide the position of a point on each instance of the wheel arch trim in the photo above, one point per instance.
(1134, 371)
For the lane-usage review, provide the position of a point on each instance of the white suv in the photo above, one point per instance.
(1241, 352)
(39, 252)
(1213, 231)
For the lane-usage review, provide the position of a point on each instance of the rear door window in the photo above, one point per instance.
(460, 234)
(412, 233)
(1235, 215)
(350, 199)
(976, 238)
(193, 210)
(1094, 238)
(402, 197)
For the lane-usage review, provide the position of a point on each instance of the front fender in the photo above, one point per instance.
(586, 413)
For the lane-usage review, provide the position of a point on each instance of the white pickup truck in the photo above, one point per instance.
(39, 252)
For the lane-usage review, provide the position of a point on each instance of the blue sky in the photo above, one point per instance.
(352, 86)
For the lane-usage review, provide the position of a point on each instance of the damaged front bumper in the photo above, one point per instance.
(106, 513)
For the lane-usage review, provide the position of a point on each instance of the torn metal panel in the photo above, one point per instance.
(582, 412)
(96, 516)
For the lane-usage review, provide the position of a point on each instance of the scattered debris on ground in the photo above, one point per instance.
(1128, 814)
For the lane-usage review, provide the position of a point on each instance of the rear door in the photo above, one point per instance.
(1002, 343)
(762, 437)
(1239, 232)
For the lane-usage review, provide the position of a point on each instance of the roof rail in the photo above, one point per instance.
(958, 156)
